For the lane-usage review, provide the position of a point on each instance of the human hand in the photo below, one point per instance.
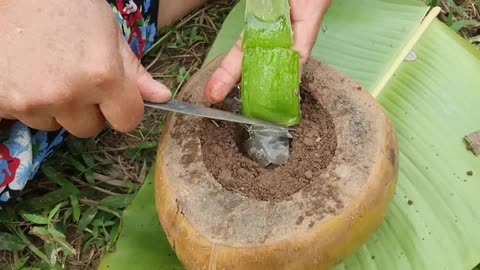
(306, 16)
(66, 64)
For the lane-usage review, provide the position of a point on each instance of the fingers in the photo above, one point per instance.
(304, 42)
(306, 20)
(226, 77)
(149, 89)
(83, 122)
(7, 116)
(39, 123)
(306, 16)
(123, 106)
(124, 110)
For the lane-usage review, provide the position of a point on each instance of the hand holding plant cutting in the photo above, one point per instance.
(306, 16)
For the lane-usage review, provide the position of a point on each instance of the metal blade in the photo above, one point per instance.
(191, 109)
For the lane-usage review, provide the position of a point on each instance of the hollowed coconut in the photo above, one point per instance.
(212, 224)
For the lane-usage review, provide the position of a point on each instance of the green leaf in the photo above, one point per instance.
(75, 145)
(97, 222)
(90, 176)
(456, 26)
(36, 251)
(181, 74)
(131, 153)
(90, 146)
(10, 242)
(114, 232)
(433, 103)
(95, 232)
(55, 233)
(147, 145)
(87, 218)
(108, 223)
(88, 159)
(443, 216)
(59, 179)
(60, 239)
(450, 19)
(457, 9)
(75, 207)
(270, 69)
(41, 232)
(48, 200)
(35, 219)
(8, 215)
(141, 244)
(53, 256)
(20, 263)
(117, 201)
(53, 212)
(66, 215)
(109, 210)
(88, 244)
(267, 24)
(77, 165)
(277, 98)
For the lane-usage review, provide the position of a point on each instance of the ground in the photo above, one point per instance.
(47, 225)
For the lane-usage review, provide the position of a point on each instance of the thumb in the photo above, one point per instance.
(226, 76)
(150, 89)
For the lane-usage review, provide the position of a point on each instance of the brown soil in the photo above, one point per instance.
(311, 151)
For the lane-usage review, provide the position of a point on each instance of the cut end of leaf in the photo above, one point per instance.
(267, 34)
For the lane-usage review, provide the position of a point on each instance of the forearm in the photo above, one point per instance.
(171, 11)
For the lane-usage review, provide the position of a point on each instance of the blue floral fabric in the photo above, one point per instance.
(22, 149)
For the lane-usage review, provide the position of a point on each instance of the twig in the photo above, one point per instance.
(36, 251)
(143, 173)
(88, 202)
(183, 80)
(94, 187)
(111, 181)
(156, 59)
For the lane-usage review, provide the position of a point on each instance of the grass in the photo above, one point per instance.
(462, 16)
(69, 216)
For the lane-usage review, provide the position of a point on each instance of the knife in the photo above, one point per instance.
(201, 111)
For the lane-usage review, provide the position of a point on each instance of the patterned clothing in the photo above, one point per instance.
(22, 149)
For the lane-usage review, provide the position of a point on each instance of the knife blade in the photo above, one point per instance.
(201, 111)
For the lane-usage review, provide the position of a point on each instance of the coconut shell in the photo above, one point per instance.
(210, 227)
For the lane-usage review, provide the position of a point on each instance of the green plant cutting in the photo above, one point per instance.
(271, 70)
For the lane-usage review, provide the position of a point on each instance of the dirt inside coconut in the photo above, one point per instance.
(311, 150)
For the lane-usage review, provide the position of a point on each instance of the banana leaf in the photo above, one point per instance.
(432, 97)
(142, 244)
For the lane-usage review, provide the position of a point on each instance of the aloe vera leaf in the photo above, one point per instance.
(270, 75)
(268, 24)
(270, 85)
